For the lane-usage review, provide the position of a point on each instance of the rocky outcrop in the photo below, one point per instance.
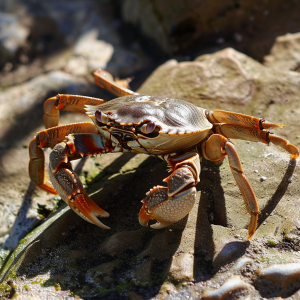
(184, 26)
(197, 256)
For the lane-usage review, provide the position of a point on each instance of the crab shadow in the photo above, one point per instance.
(80, 256)
(279, 193)
(212, 211)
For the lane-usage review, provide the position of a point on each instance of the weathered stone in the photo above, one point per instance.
(182, 267)
(180, 26)
(13, 35)
(209, 242)
(279, 280)
(122, 242)
(97, 53)
(285, 53)
(231, 286)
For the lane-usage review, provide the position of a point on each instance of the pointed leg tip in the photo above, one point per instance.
(253, 224)
(249, 235)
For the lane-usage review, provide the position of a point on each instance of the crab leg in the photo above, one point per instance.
(106, 81)
(240, 126)
(170, 204)
(48, 139)
(67, 183)
(70, 103)
(215, 149)
(255, 135)
(227, 117)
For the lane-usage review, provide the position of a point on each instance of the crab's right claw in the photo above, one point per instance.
(168, 205)
(166, 210)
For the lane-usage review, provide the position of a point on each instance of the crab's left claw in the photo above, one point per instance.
(168, 205)
(70, 188)
(67, 183)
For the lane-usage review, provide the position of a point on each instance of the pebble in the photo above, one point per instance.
(241, 263)
(231, 285)
(12, 34)
(263, 178)
(284, 274)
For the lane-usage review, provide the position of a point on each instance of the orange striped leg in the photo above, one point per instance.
(48, 139)
(215, 149)
(71, 103)
(256, 135)
(106, 81)
(227, 117)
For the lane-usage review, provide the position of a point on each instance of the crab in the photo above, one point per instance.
(174, 130)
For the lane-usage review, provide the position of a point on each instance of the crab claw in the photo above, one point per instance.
(69, 187)
(87, 209)
(166, 210)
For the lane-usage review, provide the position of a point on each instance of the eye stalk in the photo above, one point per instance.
(101, 117)
(148, 128)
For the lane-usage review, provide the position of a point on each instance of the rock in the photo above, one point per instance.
(13, 35)
(230, 287)
(278, 280)
(284, 54)
(198, 255)
(90, 28)
(182, 267)
(97, 53)
(184, 26)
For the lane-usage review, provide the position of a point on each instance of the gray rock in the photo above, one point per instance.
(13, 35)
(89, 27)
(181, 26)
(285, 53)
(196, 256)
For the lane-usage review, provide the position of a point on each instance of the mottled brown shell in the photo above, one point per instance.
(171, 115)
(181, 123)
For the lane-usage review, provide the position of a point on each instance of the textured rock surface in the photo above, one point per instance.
(183, 25)
(76, 38)
(197, 256)
(285, 53)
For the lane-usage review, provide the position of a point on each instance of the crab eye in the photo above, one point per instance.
(100, 116)
(148, 128)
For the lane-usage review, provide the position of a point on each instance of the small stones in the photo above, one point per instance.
(263, 178)
(241, 263)
(285, 277)
(284, 274)
(230, 286)
(182, 268)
